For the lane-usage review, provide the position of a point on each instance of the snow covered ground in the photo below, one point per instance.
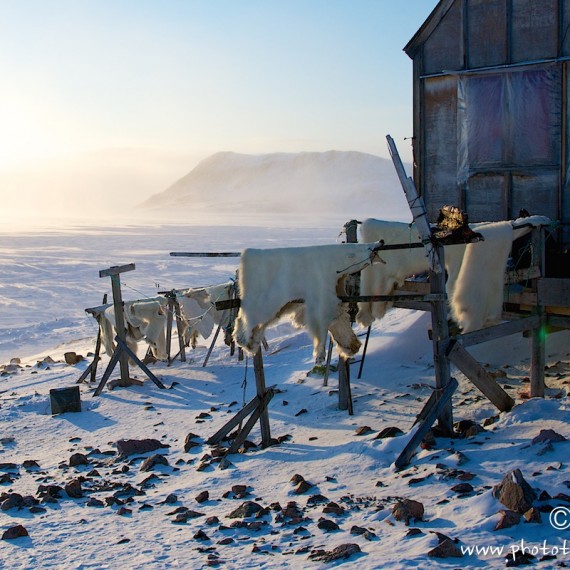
(128, 518)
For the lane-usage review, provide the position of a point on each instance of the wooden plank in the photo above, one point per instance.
(344, 393)
(261, 392)
(205, 254)
(554, 292)
(237, 419)
(417, 207)
(419, 287)
(432, 410)
(498, 331)
(364, 351)
(440, 335)
(108, 372)
(124, 347)
(116, 269)
(430, 297)
(212, 345)
(180, 330)
(328, 363)
(558, 321)
(522, 275)
(479, 377)
(413, 305)
(538, 339)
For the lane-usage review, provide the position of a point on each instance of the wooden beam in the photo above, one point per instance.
(238, 418)
(479, 377)
(116, 269)
(204, 254)
(261, 392)
(433, 409)
(344, 392)
(498, 331)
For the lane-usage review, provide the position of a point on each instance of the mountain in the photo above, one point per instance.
(343, 183)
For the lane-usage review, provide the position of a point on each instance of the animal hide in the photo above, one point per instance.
(270, 279)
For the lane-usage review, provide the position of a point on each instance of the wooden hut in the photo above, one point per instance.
(491, 91)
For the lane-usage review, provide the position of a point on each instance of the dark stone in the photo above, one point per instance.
(339, 553)
(93, 502)
(150, 462)
(514, 492)
(246, 509)
(316, 499)
(462, 488)
(408, 509)
(202, 497)
(12, 501)
(389, 432)
(171, 499)
(508, 519)
(73, 489)
(333, 508)
(78, 459)
(14, 532)
(327, 525)
(446, 548)
(240, 491)
(190, 442)
(302, 487)
(547, 435)
(201, 535)
(127, 447)
(363, 430)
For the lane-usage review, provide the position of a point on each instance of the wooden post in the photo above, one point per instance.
(538, 356)
(328, 363)
(433, 409)
(479, 377)
(344, 392)
(179, 328)
(261, 392)
(440, 337)
(114, 273)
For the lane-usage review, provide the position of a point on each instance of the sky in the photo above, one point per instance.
(105, 102)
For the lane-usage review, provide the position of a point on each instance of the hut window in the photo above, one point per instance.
(508, 120)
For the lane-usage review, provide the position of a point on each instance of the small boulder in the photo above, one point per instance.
(246, 509)
(14, 532)
(514, 492)
(408, 509)
(150, 462)
(128, 447)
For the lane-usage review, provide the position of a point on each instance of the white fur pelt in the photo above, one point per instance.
(147, 319)
(475, 271)
(382, 278)
(270, 279)
(143, 320)
(476, 300)
(199, 312)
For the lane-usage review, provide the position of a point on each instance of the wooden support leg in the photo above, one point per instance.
(344, 392)
(328, 363)
(261, 391)
(440, 338)
(108, 371)
(364, 352)
(212, 346)
(169, 318)
(480, 378)
(538, 361)
(180, 330)
(538, 357)
(140, 363)
(431, 411)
